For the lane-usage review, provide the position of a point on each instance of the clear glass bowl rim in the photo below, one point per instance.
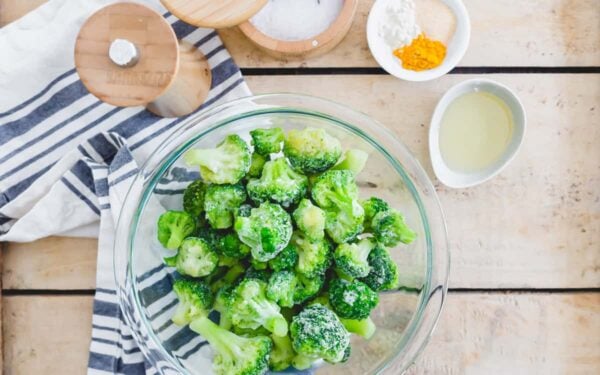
(432, 299)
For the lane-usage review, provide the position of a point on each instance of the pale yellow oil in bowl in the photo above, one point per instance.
(475, 131)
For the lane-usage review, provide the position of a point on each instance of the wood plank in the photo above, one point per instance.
(500, 234)
(47, 334)
(51, 263)
(534, 33)
(478, 333)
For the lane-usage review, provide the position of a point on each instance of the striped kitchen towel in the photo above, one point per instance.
(67, 160)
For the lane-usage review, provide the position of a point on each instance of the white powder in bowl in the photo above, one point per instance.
(399, 23)
(296, 19)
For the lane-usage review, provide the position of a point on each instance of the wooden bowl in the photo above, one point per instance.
(315, 46)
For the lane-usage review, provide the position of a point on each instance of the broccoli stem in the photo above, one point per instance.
(223, 341)
(364, 328)
(302, 362)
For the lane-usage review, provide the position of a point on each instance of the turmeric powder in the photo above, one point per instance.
(422, 54)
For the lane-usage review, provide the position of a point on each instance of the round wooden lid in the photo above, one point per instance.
(143, 59)
(214, 13)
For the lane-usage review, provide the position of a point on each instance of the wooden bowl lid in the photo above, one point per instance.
(214, 13)
(155, 41)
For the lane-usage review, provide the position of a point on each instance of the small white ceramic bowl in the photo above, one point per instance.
(455, 50)
(455, 179)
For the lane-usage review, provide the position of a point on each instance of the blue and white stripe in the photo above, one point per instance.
(66, 162)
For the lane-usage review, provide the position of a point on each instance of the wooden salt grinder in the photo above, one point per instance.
(126, 55)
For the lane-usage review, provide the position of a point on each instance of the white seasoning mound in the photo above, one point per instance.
(292, 20)
(399, 23)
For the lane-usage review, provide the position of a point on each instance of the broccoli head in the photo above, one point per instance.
(195, 300)
(174, 227)
(193, 198)
(389, 228)
(231, 246)
(221, 202)
(266, 231)
(282, 287)
(352, 299)
(285, 260)
(250, 308)
(307, 287)
(372, 207)
(256, 165)
(318, 333)
(194, 258)
(312, 150)
(228, 163)
(282, 353)
(352, 258)
(310, 219)
(267, 141)
(314, 257)
(235, 355)
(278, 183)
(337, 193)
(354, 161)
(384, 272)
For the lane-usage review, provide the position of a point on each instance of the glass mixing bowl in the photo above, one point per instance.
(405, 318)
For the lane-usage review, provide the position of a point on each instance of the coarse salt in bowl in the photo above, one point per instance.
(300, 28)
(456, 46)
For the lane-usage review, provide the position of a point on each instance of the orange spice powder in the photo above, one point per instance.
(422, 54)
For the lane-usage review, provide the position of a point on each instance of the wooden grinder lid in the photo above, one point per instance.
(119, 78)
(214, 13)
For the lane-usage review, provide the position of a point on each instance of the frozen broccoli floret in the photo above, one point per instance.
(244, 210)
(266, 231)
(174, 227)
(389, 228)
(285, 260)
(352, 299)
(279, 183)
(310, 219)
(384, 272)
(364, 328)
(267, 141)
(221, 202)
(282, 353)
(250, 308)
(352, 258)
(195, 300)
(221, 305)
(312, 150)
(228, 163)
(372, 207)
(318, 333)
(354, 161)
(194, 258)
(314, 257)
(258, 265)
(282, 287)
(253, 273)
(307, 287)
(235, 355)
(337, 193)
(231, 246)
(193, 198)
(210, 235)
(228, 278)
(256, 165)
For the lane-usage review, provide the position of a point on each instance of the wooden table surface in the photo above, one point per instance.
(525, 281)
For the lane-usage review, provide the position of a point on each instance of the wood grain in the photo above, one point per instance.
(136, 85)
(214, 14)
(532, 33)
(477, 334)
(536, 225)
